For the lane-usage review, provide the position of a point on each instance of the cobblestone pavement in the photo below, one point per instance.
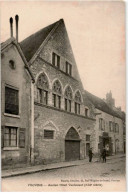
(112, 172)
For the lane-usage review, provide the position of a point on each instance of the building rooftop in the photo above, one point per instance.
(31, 44)
(102, 105)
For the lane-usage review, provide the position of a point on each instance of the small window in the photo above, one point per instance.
(101, 124)
(56, 60)
(11, 101)
(111, 126)
(68, 68)
(87, 137)
(12, 64)
(116, 128)
(10, 137)
(86, 112)
(48, 134)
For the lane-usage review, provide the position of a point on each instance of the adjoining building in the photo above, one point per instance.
(16, 108)
(109, 126)
(47, 116)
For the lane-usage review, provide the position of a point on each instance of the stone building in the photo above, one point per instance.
(109, 126)
(57, 119)
(62, 128)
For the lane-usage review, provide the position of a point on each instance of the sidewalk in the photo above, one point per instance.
(37, 168)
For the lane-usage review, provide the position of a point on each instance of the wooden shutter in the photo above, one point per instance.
(22, 137)
(2, 136)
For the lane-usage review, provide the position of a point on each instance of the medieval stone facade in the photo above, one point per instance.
(60, 119)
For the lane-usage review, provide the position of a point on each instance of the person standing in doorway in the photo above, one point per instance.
(104, 155)
(90, 155)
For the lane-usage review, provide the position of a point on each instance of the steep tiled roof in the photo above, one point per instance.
(102, 105)
(31, 44)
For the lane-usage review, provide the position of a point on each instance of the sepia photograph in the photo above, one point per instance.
(63, 96)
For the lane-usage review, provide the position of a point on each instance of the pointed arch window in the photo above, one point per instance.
(42, 89)
(56, 94)
(68, 98)
(77, 102)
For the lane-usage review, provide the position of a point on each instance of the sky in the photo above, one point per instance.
(96, 31)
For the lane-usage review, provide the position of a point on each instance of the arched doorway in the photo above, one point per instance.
(72, 145)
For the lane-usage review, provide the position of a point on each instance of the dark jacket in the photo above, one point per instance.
(90, 153)
(104, 153)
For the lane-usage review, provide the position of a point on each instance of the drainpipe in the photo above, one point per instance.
(32, 124)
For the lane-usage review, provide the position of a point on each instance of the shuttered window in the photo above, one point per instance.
(10, 137)
(22, 138)
(11, 101)
(48, 134)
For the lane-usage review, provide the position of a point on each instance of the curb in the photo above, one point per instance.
(42, 169)
(50, 168)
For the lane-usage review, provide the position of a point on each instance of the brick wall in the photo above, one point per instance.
(53, 150)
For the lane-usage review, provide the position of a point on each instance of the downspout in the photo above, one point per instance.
(32, 124)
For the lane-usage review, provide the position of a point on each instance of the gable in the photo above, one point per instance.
(53, 38)
(16, 74)
(31, 44)
(59, 44)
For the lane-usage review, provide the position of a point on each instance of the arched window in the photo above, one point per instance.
(77, 102)
(42, 88)
(68, 98)
(56, 94)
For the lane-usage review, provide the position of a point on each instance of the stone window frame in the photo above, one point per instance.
(42, 91)
(116, 127)
(48, 137)
(57, 93)
(19, 103)
(56, 60)
(88, 136)
(68, 68)
(101, 124)
(86, 111)
(77, 102)
(111, 126)
(68, 97)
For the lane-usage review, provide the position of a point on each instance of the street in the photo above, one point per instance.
(98, 175)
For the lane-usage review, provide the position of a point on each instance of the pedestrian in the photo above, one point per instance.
(90, 155)
(104, 155)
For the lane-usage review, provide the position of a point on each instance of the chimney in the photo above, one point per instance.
(17, 18)
(11, 27)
